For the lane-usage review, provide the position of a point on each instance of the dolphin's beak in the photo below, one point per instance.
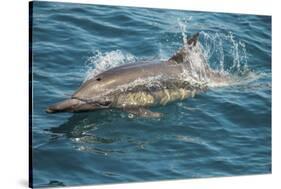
(64, 106)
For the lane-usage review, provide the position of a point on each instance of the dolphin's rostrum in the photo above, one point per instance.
(136, 87)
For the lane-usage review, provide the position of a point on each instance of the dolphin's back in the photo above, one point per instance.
(144, 69)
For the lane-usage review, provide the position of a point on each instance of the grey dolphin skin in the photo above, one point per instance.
(137, 86)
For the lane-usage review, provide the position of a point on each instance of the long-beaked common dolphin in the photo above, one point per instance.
(136, 87)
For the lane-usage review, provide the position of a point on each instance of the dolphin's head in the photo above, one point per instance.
(77, 105)
(97, 90)
(90, 96)
(69, 105)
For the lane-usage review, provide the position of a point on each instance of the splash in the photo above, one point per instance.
(227, 55)
(183, 28)
(225, 52)
(222, 53)
(101, 62)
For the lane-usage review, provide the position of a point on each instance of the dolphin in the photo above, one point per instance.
(137, 86)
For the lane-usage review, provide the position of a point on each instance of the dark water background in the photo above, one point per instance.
(223, 132)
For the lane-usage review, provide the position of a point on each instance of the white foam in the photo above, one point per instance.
(101, 62)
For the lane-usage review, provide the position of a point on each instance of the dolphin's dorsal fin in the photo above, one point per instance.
(183, 52)
(193, 40)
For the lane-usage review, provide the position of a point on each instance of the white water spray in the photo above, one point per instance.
(101, 62)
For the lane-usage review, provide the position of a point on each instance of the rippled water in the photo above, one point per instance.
(223, 132)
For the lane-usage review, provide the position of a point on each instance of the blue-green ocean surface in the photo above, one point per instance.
(224, 131)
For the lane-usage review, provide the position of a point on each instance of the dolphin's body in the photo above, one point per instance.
(135, 87)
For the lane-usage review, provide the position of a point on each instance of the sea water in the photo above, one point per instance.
(224, 131)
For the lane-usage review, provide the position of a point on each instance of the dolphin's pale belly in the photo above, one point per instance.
(148, 98)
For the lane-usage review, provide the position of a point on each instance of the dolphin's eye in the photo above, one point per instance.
(98, 79)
